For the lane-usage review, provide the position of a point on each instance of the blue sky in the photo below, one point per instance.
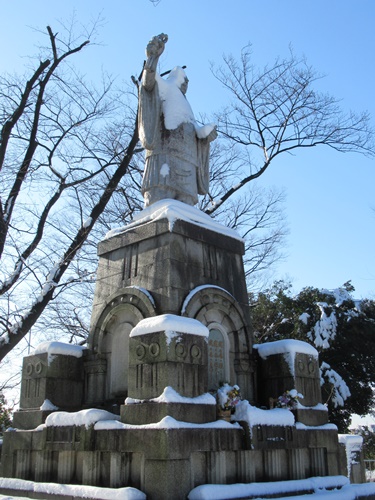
(330, 196)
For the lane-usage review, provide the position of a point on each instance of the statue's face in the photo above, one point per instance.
(184, 86)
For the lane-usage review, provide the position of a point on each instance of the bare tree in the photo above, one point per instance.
(276, 111)
(60, 163)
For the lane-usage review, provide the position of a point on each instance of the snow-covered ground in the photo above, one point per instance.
(322, 488)
(73, 490)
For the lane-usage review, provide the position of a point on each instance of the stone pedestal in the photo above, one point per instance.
(57, 378)
(172, 359)
(183, 268)
(156, 361)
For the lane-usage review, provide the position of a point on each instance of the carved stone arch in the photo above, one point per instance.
(137, 301)
(212, 305)
(109, 339)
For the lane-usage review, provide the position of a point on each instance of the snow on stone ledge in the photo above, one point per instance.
(168, 423)
(169, 395)
(285, 346)
(352, 440)
(173, 210)
(274, 488)
(289, 348)
(169, 323)
(83, 417)
(73, 490)
(256, 416)
(53, 348)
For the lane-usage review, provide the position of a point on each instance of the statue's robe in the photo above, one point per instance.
(177, 161)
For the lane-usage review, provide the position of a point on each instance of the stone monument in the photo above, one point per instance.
(170, 324)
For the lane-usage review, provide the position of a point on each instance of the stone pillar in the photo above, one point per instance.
(95, 380)
(292, 364)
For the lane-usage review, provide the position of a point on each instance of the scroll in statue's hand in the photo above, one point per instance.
(156, 45)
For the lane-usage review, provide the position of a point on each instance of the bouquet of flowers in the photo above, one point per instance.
(289, 400)
(228, 397)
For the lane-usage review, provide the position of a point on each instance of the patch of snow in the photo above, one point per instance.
(14, 274)
(168, 423)
(195, 291)
(73, 490)
(319, 407)
(204, 131)
(304, 317)
(169, 323)
(87, 222)
(256, 416)
(164, 170)
(340, 294)
(169, 395)
(146, 292)
(261, 490)
(54, 348)
(341, 390)
(173, 210)
(175, 106)
(325, 328)
(83, 417)
(48, 406)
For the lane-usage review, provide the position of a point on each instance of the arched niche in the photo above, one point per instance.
(218, 356)
(217, 309)
(109, 338)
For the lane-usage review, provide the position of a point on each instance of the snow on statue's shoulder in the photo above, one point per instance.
(176, 108)
(174, 210)
(169, 323)
(285, 346)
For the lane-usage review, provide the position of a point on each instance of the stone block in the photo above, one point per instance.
(170, 262)
(29, 419)
(156, 362)
(282, 372)
(58, 378)
(148, 413)
(167, 479)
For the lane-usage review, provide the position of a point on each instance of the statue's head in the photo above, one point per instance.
(179, 78)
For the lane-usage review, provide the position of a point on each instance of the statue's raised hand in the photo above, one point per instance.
(156, 46)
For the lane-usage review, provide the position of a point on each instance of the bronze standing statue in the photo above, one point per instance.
(177, 149)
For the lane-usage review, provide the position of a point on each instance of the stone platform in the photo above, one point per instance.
(169, 462)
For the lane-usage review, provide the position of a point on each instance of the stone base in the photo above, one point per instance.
(166, 463)
(29, 419)
(311, 417)
(148, 413)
